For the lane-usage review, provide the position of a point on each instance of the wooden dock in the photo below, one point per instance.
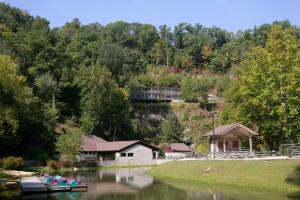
(32, 184)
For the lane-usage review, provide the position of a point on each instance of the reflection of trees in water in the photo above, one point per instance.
(164, 191)
(156, 191)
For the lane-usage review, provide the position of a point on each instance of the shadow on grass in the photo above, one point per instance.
(294, 179)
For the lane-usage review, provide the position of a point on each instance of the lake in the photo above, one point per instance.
(134, 183)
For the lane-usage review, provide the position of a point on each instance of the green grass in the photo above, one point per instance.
(279, 176)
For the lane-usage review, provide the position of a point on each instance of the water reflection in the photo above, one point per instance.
(125, 184)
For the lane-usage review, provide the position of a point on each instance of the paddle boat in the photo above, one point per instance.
(60, 184)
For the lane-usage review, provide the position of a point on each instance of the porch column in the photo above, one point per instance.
(250, 143)
(212, 145)
(156, 155)
(224, 145)
(239, 144)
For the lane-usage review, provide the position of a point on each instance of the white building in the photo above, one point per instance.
(117, 153)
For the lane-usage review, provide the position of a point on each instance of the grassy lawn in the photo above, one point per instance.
(280, 175)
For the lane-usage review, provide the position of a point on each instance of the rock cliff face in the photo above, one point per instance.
(148, 118)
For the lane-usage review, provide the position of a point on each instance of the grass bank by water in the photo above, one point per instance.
(46, 169)
(279, 175)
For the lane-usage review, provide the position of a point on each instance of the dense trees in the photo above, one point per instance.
(104, 106)
(266, 74)
(172, 131)
(14, 94)
(23, 119)
(83, 73)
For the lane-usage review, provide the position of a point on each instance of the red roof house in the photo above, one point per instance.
(177, 150)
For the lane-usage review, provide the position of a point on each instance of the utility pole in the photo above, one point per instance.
(213, 130)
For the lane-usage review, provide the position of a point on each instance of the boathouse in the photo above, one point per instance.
(106, 153)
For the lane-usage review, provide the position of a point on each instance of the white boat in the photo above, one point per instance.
(32, 184)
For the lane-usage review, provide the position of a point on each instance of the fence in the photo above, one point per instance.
(291, 149)
(232, 153)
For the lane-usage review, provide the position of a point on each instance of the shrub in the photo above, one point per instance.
(202, 150)
(64, 163)
(42, 158)
(52, 164)
(12, 162)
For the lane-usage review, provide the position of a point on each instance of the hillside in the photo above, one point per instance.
(80, 76)
(195, 120)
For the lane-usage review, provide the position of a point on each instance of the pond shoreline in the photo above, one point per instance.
(135, 182)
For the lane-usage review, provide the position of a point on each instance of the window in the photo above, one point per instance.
(123, 154)
(130, 154)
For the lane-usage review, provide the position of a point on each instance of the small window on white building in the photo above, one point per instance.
(130, 154)
(123, 154)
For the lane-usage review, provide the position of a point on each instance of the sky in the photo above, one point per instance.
(231, 15)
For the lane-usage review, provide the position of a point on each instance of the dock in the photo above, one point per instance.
(32, 184)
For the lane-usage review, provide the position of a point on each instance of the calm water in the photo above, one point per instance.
(125, 184)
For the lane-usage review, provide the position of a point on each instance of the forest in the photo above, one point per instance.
(55, 80)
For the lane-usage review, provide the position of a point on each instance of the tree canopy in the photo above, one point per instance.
(266, 74)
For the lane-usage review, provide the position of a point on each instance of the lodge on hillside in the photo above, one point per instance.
(156, 94)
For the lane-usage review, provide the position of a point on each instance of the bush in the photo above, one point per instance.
(42, 158)
(64, 163)
(12, 162)
(52, 164)
(202, 150)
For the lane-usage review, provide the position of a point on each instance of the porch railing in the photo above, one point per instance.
(232, 153)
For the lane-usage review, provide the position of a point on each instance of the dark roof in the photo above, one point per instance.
(94, 143)
(226, 129)
(88, 142)
(179, 147)
(114, 146)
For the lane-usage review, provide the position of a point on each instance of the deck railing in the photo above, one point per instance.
(155, 93)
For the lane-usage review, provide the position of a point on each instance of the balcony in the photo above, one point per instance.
(156, 93)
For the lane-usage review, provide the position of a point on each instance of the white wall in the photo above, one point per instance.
(141, 156)
(178, 155)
